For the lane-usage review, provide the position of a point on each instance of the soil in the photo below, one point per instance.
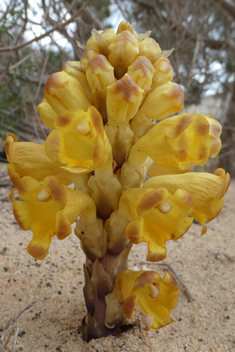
(204, 317)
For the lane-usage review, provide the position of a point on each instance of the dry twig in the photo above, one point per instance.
(8, 332)
(46, 34)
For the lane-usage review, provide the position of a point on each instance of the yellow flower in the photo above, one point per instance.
(175, 144)
(156, 216)
(164, 209)
(153, 295)
(79, 141)
(48, 209)
(161, 102)
(30, 159)
(205, 189)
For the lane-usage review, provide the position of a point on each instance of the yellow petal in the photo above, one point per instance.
(46, 114)
(215, 130)
(79, 141)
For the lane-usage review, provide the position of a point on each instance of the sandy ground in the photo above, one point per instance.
(205, 266)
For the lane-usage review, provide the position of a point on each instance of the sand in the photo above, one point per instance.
(203, 318)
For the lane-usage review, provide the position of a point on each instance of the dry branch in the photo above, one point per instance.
(46, 34)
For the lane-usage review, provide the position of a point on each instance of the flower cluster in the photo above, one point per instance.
(110, 127)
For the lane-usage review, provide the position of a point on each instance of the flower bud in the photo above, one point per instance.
(126, 26)
(160, 103)
(150, 49)
(64, 92)
(123, 100)
(103, 39)
(123, 51)
(163, 101)
(141, 71)
(89, 54)
(99, 73)
(163, 72)
(73, 68)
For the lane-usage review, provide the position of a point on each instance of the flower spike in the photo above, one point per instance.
(110, 130)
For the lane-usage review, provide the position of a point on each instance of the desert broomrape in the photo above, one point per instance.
(110, 123)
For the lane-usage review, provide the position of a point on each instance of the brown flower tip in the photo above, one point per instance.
(56, 190)
(156, 257)
(63, 228)
(151, 200)
(56, 80)
(127, 88)
(176, 92)
(184, 122)
(37, 252)
(64, 119)
(126, 37)
(99, 62)
(145, 278)
(144, 64)
(129, 306)
(97, 121)
(227, 179)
